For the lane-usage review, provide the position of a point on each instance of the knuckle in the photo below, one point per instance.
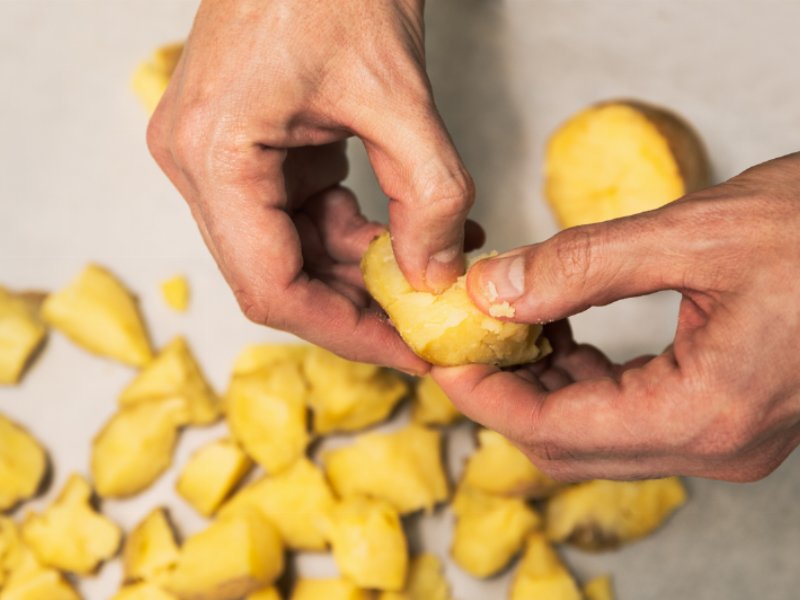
(448, 196)
(575, 254)
(188, 135)
(156, 137)
(255, 307)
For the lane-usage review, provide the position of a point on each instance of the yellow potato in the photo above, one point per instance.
(150, 79)
(175, 291)
(431, 406)
(43, 584)
(603, 514)
(426, 581)
(599, 588)
(22, 333)
(619, 158)
(446, 329)
(23, 464)
(143, 591)
(174, 373)
(270, 593)
(211, 474)
(99, 314)
(151, 550)
(328, 589)
(261, 357)
(541, 574)
(404, 468)
(70, 535)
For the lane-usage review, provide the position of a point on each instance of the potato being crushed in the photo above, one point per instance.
(328, 589)
(23, 464)
(425, 581)
(211, 474)
(22, 332)
(431, 406)
(446, 329)
(151, 550)
(541, 574)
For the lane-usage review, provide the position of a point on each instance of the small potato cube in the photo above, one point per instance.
(150, 79)
(328, 589)
(426, 581)
(175, 291)
(143, 591)
(211, 474)
(150, 550)
(541, 574)
(431, 406)
(70, 535)
(23, 464)
(599, 588)
(22, 332)
(99, 314)
(404, 468)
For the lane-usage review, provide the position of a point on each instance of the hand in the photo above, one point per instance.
(723, 401)
(250, 131)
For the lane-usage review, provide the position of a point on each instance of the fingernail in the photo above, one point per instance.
(502, 279)
(444, 267)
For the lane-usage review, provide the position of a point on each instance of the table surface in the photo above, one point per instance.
(77, 185)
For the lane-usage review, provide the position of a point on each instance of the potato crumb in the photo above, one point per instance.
(502, 310)
(491, 291)
(176, 293)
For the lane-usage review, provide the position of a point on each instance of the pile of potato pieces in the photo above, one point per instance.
(353, 500)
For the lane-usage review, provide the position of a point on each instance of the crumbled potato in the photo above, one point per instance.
(234, 556)
(347, 395)
(267, 414)
(23, 464)
(260, 357)
(431, 406)
(499, 467)
(175, 291)
(151, 550)
(22, 333)
(328, 589)
(446, 329)
(541, 574)
(292, 500)
(619, 158)
(368, 543)
(269, 593)
(426, 581)
(174, 373)
(135, 447)
(489, 530)
(404, 468)
(599, 588)
(99, 314)
(211, 474)
(143, 591)
(603, 514)
(150, 79)
(70, 535)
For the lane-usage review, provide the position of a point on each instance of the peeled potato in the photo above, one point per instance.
(619, 158)
(175, 291)
(151, 550)
(143, 591)
(446, 329)
(425, 581)
(23, 464)
(431, 406)
(261, 357)
(22, 332)
(328, 589)
(150, 79)
(599, 588)
(541, 574)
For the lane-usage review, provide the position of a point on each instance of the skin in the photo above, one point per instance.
(722, 401)
(252, 137)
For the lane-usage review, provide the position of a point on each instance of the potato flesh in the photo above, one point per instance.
(21, 334)
(541, 574)
(603, 514)
(151, 550)
(431, 405)
(404, 468)
(143, 591)
(211, 474)
(99, 314)
(151, 78)
(259, 357)
(175, 291)
(426, 581)
(328, 589)
(23, 464)
(270, 593)
(599, 588)
(445, 329)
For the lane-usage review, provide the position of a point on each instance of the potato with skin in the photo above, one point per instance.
(23, 464)
(151, 77)
(151, 550)
(175, 291)
(447, 329)
(604, 514)
(22, 333)
(618, 158)
(426, 581)
(599, 588)
(431, 406)
(328, 589)
(143, 591)
(541, 574)
(212, 472)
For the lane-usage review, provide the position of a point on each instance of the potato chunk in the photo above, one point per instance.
(22, 332)
(70, 535)
(499, 467)
(603, 514)
(23, 464)
(541, 574)
(347, 395)
(426, 581)
(211, 474)
(269, 593)
(151, 550)
(599, 588)
(445, 329)
(431, 406)
(260, 357)
(489, 530)
(328, 589)
(143, 591)
(175, 291)
(619, 158)
(135, 447)
(42, 584)
(174, 373)
(234, 556)
(99, 314)
(292, 500)
(150, 79)
(404, 468)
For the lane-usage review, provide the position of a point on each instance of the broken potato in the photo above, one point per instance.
(541, 574)
(22, 333)
(151, 550)
(23, 464)
(328, 589)
(175, 291)
(425, 581)
(431, 406)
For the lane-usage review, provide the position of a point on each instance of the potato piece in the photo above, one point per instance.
(599, 588)
(603, 514)
(404, 468)
(175, 374)
(22, 333)
(426, 581)
(211, 474)
(328, 589)
(446, 329)
(150, 79)
(99, 314)
(270, 593)
(43, 584)
(347, 395)
(293, 501)
(431, 406)
(541, 574)
(233, 557)
(175, 292)
(11, 548)
(135, 447)
(143, 591)
(70, 535)
(499, 467)
(619, 158)
(151, 550)
(23, 464)
(267, 415)
(260, 357)
(489, 530)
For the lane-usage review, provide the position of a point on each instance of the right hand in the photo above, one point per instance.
(250, 131)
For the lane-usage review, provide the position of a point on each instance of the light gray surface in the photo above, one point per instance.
(76, 184)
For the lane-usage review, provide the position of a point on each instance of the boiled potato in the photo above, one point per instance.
(431, 406)
(23, 464)
(426, 581)
(175, 291)
(541, 574)
(599, 588)
(151, 550)
(150, 79)
(270, 593)
(70, 535)
(619, 158)
(404, 468)
(99, 314)
(328, 589)
(603, 514)
(44, 584)
(22, 333)
(143, 591)
(446, 329)
(261, 357)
